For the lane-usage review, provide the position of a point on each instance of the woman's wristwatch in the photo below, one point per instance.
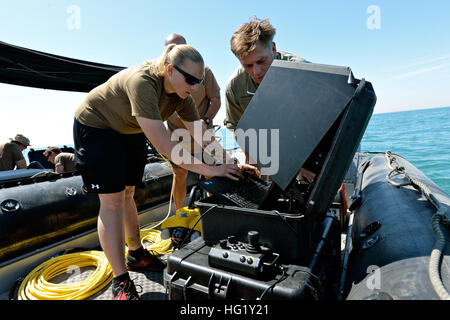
(207, 120)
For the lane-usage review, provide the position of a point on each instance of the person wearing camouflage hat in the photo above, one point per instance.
(11, 153)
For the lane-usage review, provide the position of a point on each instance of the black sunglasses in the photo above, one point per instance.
(190, 79)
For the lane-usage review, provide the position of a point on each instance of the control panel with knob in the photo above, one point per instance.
(250, 259)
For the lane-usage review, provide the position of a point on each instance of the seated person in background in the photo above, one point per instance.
(63, 161)
(11, 153)
(252, 43)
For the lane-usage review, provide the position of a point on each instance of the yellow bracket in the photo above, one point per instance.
(184, 217)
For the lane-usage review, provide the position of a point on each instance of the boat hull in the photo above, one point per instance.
(393, 237)
(34, 215)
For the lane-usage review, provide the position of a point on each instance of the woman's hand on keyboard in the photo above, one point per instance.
(230, 171)
(250, 169)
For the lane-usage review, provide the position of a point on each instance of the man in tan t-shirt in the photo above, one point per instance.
(255, 55)
(11, 153)
(255, 62)
(63, 161)
(241, 87)
(207, 99)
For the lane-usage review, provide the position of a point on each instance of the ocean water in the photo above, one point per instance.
(420, 136)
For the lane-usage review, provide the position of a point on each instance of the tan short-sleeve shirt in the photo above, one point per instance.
(133, 92)
(67, 160)
(10, 153)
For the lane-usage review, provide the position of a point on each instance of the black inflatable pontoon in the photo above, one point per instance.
(393, 234)
(44, 208)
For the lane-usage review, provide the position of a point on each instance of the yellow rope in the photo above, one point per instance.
(152, 241)
(37, 284)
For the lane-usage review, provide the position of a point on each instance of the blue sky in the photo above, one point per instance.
(404, 50)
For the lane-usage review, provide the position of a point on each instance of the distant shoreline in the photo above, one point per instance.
(409, 110)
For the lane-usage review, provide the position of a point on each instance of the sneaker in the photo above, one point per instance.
(125, 291)
(146, 262)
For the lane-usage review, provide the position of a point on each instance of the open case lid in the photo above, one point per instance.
(321, 113)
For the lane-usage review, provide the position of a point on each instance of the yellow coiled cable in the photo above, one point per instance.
(152, 241)
(37, 285)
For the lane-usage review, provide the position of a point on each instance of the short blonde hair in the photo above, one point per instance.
(175, 55)
(245, 37)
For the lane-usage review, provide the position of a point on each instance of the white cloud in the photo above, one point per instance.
(418, 72)
(417, 62)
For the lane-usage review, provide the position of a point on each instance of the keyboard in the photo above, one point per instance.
(248, 193)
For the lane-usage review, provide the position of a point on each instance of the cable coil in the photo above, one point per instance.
(37, 285)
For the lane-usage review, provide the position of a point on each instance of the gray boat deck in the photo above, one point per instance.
(149, 285)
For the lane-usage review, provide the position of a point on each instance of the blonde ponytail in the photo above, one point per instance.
(174, 57)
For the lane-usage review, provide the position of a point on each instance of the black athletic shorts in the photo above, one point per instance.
(108, 160)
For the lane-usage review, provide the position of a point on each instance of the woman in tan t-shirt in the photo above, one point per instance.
(109, 133)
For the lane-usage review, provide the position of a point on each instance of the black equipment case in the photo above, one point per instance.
(290, 247)
(189, 276)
